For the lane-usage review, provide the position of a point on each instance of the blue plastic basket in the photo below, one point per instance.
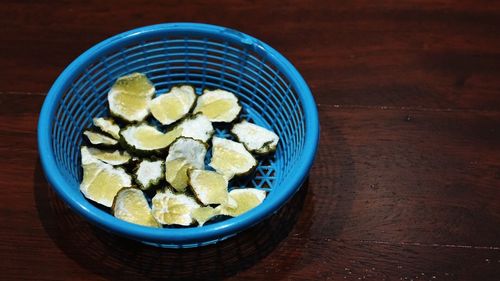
(272, 92)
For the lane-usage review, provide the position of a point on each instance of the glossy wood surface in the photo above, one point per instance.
(406, 184)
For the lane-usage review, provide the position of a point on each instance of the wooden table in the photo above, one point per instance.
(406, 184)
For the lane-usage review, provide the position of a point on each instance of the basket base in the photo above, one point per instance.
(186, 246)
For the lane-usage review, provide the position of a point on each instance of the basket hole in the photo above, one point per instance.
(257, 182)
(265, 184)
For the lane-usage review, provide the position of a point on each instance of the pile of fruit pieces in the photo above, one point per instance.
(128, 160)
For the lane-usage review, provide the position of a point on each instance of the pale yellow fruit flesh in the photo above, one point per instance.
(130, 205)
(130, 95)
(96, 138)
(174, 105)
(176, 173)
(246, 199)
(127, 104)
(203, 214)
(218, 105)
(230, 158)
(101, 184)
(152, 139)
(112, 158)
(216, 109)
(170, 108)
(209, 187)
(107, 126)
(183, 154)
(135, 83)
(170, 208)
(227, 159)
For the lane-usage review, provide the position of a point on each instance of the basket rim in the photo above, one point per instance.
(178, 236)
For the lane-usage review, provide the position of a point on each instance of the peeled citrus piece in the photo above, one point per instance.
(218, 105)
(183, 154)
(208, 186)
(246, 198)
(231, 158)
(256, 139)
(102, 181)
(174, 105)
(231, 203)
(129, 97)
(203, 214)
(108, 126)
(171, 208)
(176, 173)
(111, 157)
(197, 127)
(99, 139)
(146, 139)
(149, 173)
(131, 205)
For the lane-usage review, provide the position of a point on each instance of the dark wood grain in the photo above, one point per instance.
(436, 54)
(392, 194)
(406, 181)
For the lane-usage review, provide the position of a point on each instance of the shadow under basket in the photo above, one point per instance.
(270, 89)
(117, 258)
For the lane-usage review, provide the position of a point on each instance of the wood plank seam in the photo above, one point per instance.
(336, 106)
(405, 108)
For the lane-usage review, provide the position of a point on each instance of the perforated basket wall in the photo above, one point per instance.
(269, 88)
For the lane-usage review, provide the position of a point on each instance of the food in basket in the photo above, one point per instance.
(184, 154)
(197, 127)
(112, 157)
(129, 97)
(130, 158)
(131, 205)
(245, 198)
(209, 187)
(171, 208)
(256, 139)
(174, 105)
(99, 139)
(203, 214)
(231, 158)
(102, 181)
(218, 105)
(145, 139)
(149, 173)
(107, 126)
